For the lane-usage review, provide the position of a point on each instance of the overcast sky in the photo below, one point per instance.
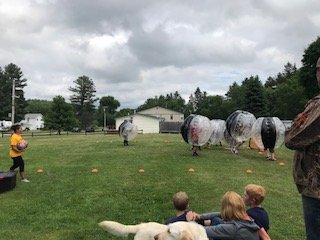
(139, 49)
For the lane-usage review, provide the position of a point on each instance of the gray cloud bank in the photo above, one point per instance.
(138, 49)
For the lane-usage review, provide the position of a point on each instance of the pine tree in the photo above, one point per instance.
(83, 100)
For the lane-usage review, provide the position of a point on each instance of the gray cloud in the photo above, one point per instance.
(134, 50)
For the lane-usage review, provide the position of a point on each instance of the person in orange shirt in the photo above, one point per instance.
(16, 151)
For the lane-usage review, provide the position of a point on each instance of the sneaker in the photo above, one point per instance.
(234, 150)
(25, 180)
(195, 154)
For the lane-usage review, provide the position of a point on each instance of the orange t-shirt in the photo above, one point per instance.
(14, 140)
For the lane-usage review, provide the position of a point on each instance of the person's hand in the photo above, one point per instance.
(192, 216)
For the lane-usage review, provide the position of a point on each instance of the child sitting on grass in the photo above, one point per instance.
(253, 197)
(236, 222)
(181, 205)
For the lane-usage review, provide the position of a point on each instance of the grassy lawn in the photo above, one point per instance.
(67, 200)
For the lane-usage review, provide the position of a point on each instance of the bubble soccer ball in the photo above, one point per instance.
(22, 145)
(196, 130)
(218, 127)
(239, 125)
(268, 132)
(128, 130)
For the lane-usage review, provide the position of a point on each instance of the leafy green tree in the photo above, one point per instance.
(149, 103)
(308, 69)
(254, 96)
(107, 105)
(212, 107)
(175, 102)
(60, 116)
(83, 100)
(289, 98)
(273, 91)
(289, 70)
(235, 97)
(195, 102)
(12, 73)
(5, 96)
(38, 106)
(124, 112)
(172, 101)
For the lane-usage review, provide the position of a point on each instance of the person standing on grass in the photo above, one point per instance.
(304, 137)
(195, 140)
(16, 153)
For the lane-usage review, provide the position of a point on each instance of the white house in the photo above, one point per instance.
(5, 125)
(32, 121)
(145, 123)
(155, 120)
(167, 114)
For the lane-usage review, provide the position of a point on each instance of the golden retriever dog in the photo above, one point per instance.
(157, 231)
(183, 231)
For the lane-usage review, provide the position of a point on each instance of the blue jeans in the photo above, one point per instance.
(311, 212)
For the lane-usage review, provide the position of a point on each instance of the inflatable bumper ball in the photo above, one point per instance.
(196, 130)
(238, 126)
(127, 131)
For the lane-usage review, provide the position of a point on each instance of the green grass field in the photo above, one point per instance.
(67, 200)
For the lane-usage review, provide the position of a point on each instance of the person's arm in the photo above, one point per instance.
(192, 216)
(14, 147)
(263, 234)
(209, 215)
(223, 230)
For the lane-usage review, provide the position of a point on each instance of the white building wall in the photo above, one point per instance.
(144, 123)
(33, 121)
(167, 114)
(148, 125)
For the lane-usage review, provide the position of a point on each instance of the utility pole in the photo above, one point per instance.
(104, 118)
(13, 100)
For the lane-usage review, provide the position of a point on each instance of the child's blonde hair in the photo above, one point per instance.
(180, 201)
(255, 192)
(232, 207)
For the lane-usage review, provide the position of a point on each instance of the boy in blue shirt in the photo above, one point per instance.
(253, 197)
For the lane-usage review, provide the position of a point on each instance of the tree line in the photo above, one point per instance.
(283, 95)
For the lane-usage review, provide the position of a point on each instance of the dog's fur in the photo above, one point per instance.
(183, 231)
(157, 231)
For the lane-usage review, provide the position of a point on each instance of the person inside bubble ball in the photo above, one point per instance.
(195, 140)
(270, 155)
